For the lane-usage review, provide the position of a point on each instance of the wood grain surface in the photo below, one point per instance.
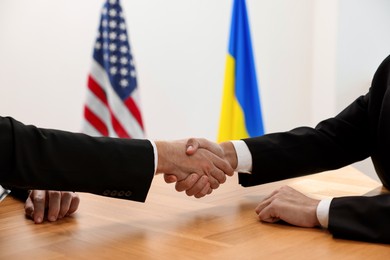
(171, 225)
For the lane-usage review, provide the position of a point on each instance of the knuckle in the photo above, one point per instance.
(214, 185)
(277, 197)
(275, 203)
(179, 187)
(76, 199)
(199, 195)
(54, 194)
(279, 190)
(183, 185)
(28, 209)
(229, 172)
(203, 193)
(206, 166)
(66, 195)
(223, 178)
(285, 188)
(39, 198)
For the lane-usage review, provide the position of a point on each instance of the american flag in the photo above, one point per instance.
(112, 106)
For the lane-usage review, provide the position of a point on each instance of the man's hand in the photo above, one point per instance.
(289, 205)
(224, 150)
(198, 174)
(57, 203)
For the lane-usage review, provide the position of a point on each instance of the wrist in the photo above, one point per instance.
(317, 222)
(162, 162)
(230, 154)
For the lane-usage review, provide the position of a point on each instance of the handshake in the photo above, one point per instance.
(196, 165)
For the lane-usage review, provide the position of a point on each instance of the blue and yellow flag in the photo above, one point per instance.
(241, 112)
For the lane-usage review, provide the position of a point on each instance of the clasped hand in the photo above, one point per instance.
(195, 170)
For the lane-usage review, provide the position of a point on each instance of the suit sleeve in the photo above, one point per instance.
(332, 144)
(353, 135)
(19, 194)
(361, 218)
(36, 158)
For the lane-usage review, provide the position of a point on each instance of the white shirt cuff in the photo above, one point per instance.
(323, 212)
(155, 155)
(244, 157)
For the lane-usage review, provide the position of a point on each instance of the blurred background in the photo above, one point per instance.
(313, 58)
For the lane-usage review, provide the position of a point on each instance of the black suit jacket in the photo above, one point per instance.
(359, 131)
(35, 158)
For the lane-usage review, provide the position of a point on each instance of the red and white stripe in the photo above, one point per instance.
(105, 114)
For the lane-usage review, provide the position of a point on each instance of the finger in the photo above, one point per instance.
(222, 168)
(208, 167)
(74, 205)
(212, 147)
(214, 183)
(191, 146)
(54, 205)
(203, 192)
(262, 205)
(66, 199)
(170, 178)
(269, 214)
(210, 191)
(29, 206)
(187, 183)
(273, 193)
(198, 186)
(266, 201)
(38, 198)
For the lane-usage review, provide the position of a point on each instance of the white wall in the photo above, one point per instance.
(363, 42)
(324, 59)
(45, 52)
(180, 48)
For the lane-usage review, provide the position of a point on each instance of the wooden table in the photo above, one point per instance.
(171, 225)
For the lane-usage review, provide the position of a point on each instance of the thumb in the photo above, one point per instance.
(192, 146)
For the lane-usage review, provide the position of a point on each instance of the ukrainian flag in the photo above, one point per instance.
(241, 113)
